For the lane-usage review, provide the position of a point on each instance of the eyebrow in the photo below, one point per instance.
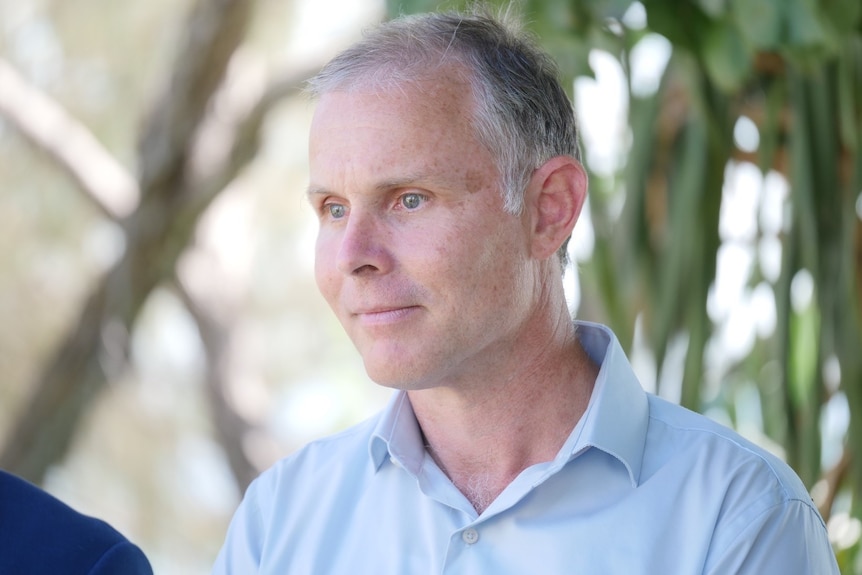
(311, 191)
(388, 184)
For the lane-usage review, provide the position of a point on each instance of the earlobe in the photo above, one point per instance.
(556, 194)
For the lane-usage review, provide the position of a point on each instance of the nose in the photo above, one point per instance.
(363, 247)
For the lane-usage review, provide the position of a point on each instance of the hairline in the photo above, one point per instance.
(388, 76)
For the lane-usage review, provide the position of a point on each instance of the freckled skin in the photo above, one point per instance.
(457, 269)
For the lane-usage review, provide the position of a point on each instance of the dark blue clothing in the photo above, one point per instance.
(41, 535)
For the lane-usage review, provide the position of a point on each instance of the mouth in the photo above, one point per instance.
(385, 315)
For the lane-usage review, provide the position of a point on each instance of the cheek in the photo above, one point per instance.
(497, 259)
(324, 267)
(469, 260)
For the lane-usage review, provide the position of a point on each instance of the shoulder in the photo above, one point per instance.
(287, 498)
(50, 536)
(123, 558)
(306, 494)
(760, 515)
(343, 453)
(678, 435)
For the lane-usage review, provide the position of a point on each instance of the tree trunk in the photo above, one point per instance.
(156, 234)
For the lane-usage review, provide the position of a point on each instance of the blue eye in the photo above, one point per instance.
(337, 211)
(412, 201)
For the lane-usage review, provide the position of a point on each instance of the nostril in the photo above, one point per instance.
(362, 250)
(365, 270)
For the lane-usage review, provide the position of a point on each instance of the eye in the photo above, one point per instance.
(336, 211)
(412, 201)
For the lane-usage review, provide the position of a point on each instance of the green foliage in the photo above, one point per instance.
(759, 22)
(724, 56)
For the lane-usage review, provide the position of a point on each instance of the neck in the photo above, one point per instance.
(484, 434)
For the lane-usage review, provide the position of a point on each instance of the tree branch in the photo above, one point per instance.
(832, 480)
(215, 327)
(195, 144)
(156, 233)
(72, 146)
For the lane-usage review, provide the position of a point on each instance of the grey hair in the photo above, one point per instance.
(522, 114)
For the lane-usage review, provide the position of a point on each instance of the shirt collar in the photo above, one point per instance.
(617, 416)
(397, 435)
(615, 421)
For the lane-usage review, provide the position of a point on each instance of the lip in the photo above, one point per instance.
(385, 315)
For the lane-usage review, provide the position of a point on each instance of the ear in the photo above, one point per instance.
(554, 198)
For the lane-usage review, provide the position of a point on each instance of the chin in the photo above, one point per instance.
(392, 364)
(396, 377)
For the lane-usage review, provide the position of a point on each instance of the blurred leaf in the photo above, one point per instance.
(725, 57)
(643, 119)
(682, 23)
(396, 8)
(801, 174)
(803, 23)
(805, 390)
(826, 191)
(714, 8)
(678, 259)
(849, 95)
(843, 16)
(613, 8)
(771, 130)
(846, 558)
(759, 21)
(804, 346)
(572, 56)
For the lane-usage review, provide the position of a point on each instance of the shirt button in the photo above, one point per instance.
(470, 536)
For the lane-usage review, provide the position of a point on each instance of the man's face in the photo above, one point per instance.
(425, 270)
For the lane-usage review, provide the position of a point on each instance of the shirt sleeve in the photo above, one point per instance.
(241, 552)
(788, 538)
(124, 558)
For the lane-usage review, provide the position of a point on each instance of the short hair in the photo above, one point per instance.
(522, 114)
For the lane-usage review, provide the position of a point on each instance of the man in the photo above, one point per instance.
(444, 170)
(41, 535)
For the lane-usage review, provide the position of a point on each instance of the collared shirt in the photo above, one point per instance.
(640, 486)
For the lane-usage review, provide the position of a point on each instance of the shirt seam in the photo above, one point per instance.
(785, 502)
(787, 494)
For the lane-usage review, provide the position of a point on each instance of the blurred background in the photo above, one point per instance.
(163, 341)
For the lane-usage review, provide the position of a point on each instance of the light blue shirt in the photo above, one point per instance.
(640, 486)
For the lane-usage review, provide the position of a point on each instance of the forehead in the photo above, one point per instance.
(441, 96)
(423, 126)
